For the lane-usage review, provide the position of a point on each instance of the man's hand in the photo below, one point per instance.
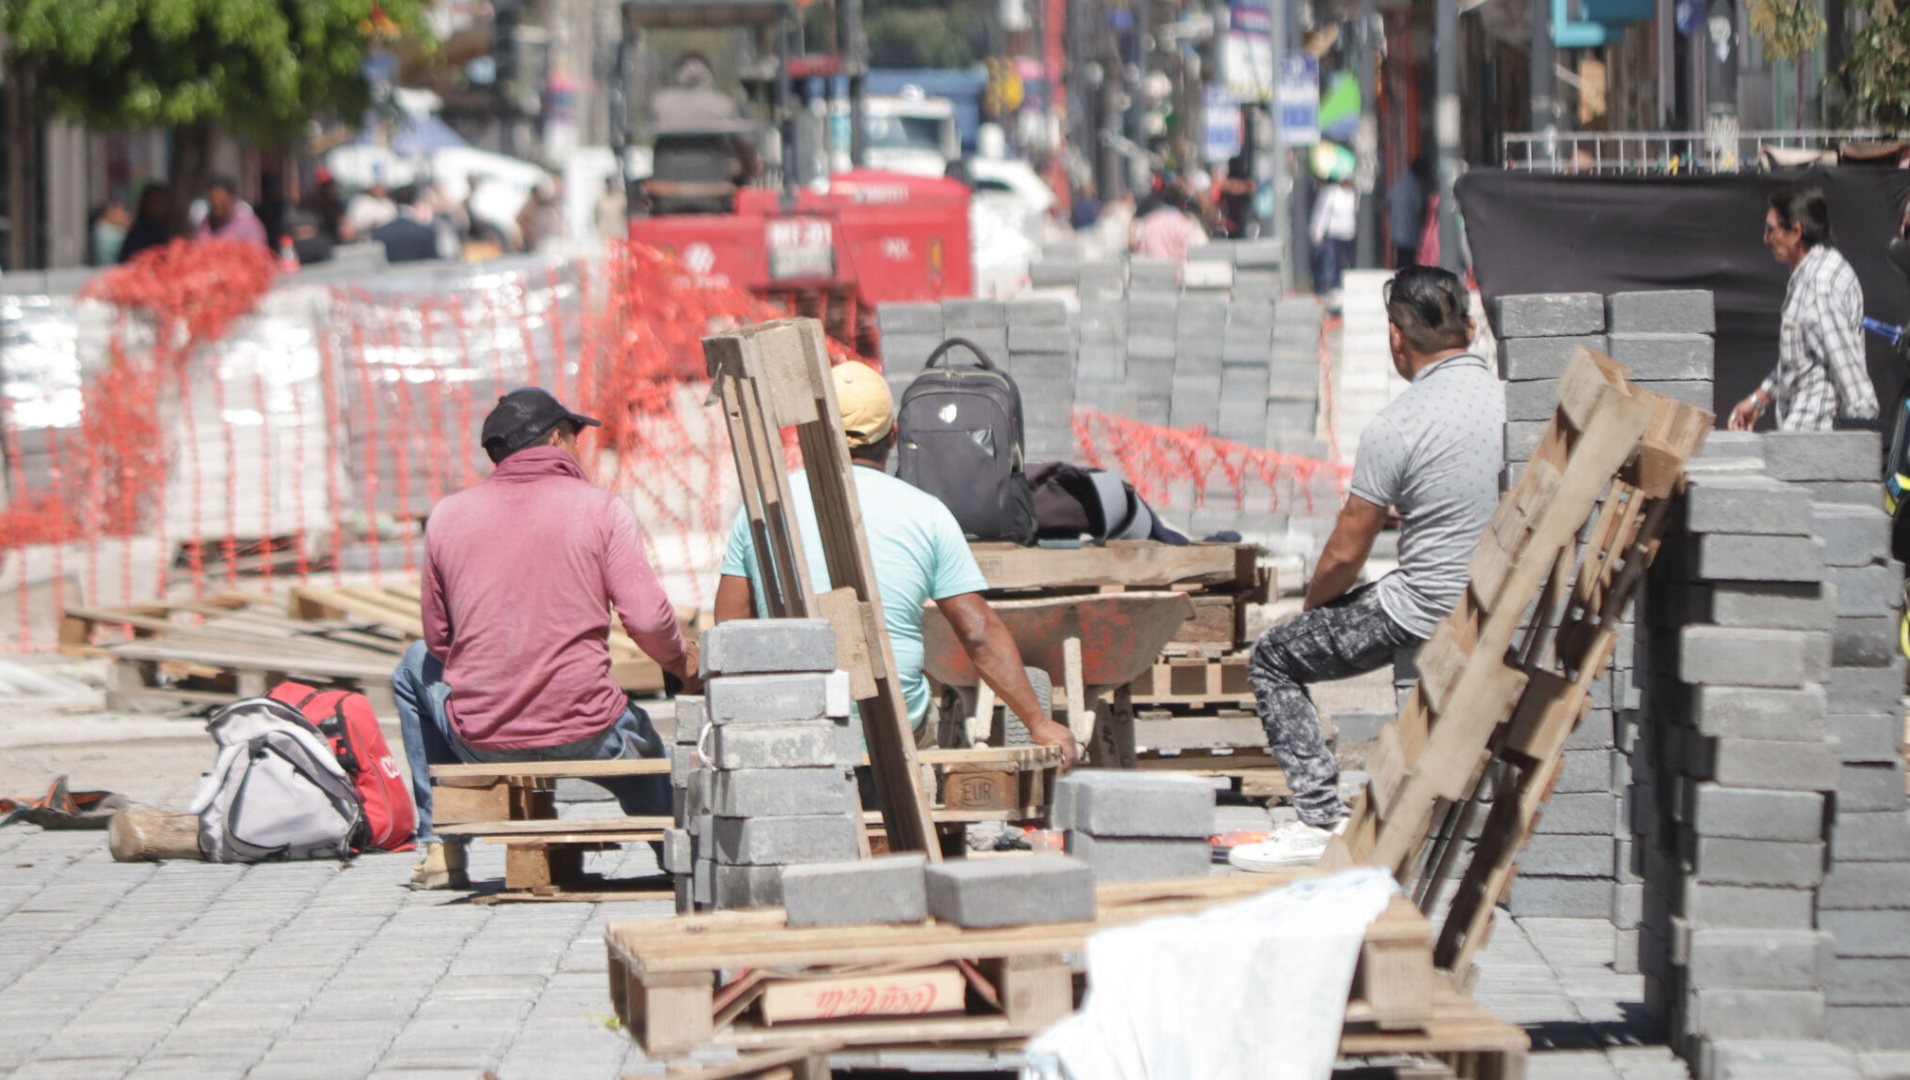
(1054, 733)
(1744, 415)
(692, 664)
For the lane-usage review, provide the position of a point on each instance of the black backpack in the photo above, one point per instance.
(960, 440)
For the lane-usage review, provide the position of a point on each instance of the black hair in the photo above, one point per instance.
(1806, 208)
(1430, 307)
(877, 452)
(222, 182)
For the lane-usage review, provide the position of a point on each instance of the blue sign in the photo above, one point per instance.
(1299, 99)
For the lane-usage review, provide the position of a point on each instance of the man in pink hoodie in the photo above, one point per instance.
(521, 573)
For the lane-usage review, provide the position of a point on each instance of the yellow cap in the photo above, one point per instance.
(862, 395)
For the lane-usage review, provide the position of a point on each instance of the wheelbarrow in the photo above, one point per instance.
(1094, 645)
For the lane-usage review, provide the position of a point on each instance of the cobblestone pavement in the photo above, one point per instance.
(316, 970)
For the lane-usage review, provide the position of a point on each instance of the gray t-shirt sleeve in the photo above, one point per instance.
(1379, 468)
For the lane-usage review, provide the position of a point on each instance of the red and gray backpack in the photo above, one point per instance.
(348, 723)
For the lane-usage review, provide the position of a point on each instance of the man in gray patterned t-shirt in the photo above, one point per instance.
(1434, 455)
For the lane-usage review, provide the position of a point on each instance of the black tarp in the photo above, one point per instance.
(1539, 233)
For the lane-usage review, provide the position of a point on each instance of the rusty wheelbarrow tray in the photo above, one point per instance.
(1121, 635)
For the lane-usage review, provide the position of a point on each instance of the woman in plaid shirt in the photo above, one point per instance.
(1820, 376)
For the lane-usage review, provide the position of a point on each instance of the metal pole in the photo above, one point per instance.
(855, 61)
(1446, 132)
(1366, 142)
(785, 111)
(1282, 182)
(1137, 100)
(1545, 111)
(617, 108)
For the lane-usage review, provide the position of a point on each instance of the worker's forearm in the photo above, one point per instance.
(1334, 575)
(999, 664)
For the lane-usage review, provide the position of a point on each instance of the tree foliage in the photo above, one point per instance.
(258, 67)
(922, 33)
(1876, 76)
(1788, 28)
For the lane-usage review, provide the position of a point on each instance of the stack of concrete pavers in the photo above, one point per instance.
(771, 781)
(982, 322)
(1136, 343)
(1134, 826)
(1041, 358)
(1733, 765)
(1538, 334)
(910, 333)
(1664, 340)
(1865, 899)
(1153, 318)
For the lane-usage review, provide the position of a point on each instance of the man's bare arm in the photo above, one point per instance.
(1345, 552)
(992, 648)
(734, 599)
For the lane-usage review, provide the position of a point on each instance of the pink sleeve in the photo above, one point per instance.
(437, 621)
(637, 594)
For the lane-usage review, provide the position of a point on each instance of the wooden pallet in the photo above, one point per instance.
(195, 654)
(1497, 700)
(397, 608)
(687, 983)
(515, 805)
(770, 377)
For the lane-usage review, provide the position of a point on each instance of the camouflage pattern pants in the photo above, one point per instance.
(1350, 636)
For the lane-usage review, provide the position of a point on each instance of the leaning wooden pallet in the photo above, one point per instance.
(771, 377)
(744, 980)
(1499, 691)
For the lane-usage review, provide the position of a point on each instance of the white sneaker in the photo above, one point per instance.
(1292, 846)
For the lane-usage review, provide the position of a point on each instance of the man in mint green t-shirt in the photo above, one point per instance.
(920, 555)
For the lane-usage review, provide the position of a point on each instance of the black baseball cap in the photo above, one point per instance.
(522, 417)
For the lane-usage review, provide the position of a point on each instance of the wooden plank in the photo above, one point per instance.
(519, 831)
(554, 769)
(848, 614)
(1395, 973)
(754, 1064)
(452, 805)
(1035, 990)
(1124, 563)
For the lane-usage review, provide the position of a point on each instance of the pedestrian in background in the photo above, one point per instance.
(1171, 229)
(1821, 377)
(107, 234)
(1335, 225)
(152, 227)
(229, 217)
(1406, 213)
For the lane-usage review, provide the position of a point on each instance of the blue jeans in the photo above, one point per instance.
(420, 689)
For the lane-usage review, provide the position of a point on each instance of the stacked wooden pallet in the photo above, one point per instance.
(1503, 681)
(744, 980)
(172, 655)
(515, 805)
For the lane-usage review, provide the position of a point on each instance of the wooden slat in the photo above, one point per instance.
(763, 371)
(1124, 563)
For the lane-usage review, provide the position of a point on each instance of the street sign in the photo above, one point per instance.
(1246, 54)
(1221, 123)
(1299, 99)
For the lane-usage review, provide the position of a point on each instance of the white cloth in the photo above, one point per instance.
(1335, 214)
(1250, 991)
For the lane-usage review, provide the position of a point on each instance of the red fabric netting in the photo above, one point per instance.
(113, 467)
